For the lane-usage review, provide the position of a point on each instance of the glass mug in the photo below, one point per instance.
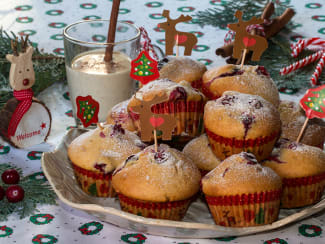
(96, 86)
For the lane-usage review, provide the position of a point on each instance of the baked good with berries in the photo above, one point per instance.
(253, 80)
(157, 184)
(200, 152)
(119, 115)
(239, 122)
(179, 100)
(241, 193)
(96, 153)
(178, 69)
(293, 117)
(302, 169)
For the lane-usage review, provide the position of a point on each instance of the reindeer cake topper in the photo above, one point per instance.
(245, 41)
(174, 37)
(150, 122)
(25, 121)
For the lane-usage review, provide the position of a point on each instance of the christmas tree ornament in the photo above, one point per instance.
(271, 27)
(25, 120)
(247, 41)
(313, 102)
(144, 68)
(316, 44)
(87, 110)
(150, 122)
(186, 39)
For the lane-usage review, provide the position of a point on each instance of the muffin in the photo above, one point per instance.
(240, 192)
(293, 117)
(96, 153)
(253, 80)
(157, 184)
(199, 151)
(239, 122)
(119, 115)
(180, 101)
(178, 69)
(302, 169)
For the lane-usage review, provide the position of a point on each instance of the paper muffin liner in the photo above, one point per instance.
(224, 147)
(245, 210)
(303, 191)
(158, 210)
(94, 183)
(188, 114)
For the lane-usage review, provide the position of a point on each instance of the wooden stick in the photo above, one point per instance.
(177, 47)
(111, 31)
(155, 138)
(302, 130)
(243, 58)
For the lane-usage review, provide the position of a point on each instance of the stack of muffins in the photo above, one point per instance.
(245, 172)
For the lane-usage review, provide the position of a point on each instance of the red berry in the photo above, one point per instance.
(10, 176)
(2, 193)
(15, 193)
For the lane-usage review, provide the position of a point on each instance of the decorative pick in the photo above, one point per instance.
(177, 46)
(247, 41)
(186, 39)
(144, 68)
(313, 102)
(111, 31)
(150, 121)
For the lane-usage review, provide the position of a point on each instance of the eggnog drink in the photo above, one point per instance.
(108, 84)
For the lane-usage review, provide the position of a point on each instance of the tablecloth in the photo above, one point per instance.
(44, 21)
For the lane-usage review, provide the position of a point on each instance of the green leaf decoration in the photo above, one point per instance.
(93, 189)
(36, 192)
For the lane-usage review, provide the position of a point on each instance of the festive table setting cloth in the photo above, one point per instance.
(44, 21)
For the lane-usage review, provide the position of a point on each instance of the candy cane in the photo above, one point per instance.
(147, 42)
(301, 63)
(301, 44)
(318, 70)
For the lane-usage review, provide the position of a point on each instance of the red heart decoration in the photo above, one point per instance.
(249, 41)
(156, 121)
(181, 38)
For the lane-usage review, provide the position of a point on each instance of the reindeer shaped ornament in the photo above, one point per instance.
(149, 122)
(25, 121)
(247, 41)
(174, 37)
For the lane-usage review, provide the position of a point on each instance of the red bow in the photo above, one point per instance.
(25, 96)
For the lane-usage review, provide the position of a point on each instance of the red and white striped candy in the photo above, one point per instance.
(318, 70)
(301, 44)
(301, 63)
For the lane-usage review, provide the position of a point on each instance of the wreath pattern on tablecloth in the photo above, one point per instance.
(7, 231)
(276, 240)
(38, 239)
(41, 219)
(317, 230)
(84, 229)
(139, 238)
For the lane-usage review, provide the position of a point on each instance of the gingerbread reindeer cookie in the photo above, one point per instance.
(25, 121)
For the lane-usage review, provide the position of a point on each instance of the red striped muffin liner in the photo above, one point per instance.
(303, 191)
(188, 114)
(94, 183)
(246, 209)
(224, 147)
(175, 210)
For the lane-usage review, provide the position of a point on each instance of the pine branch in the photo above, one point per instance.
(222, 15)
(48, 68)
(36, 192)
